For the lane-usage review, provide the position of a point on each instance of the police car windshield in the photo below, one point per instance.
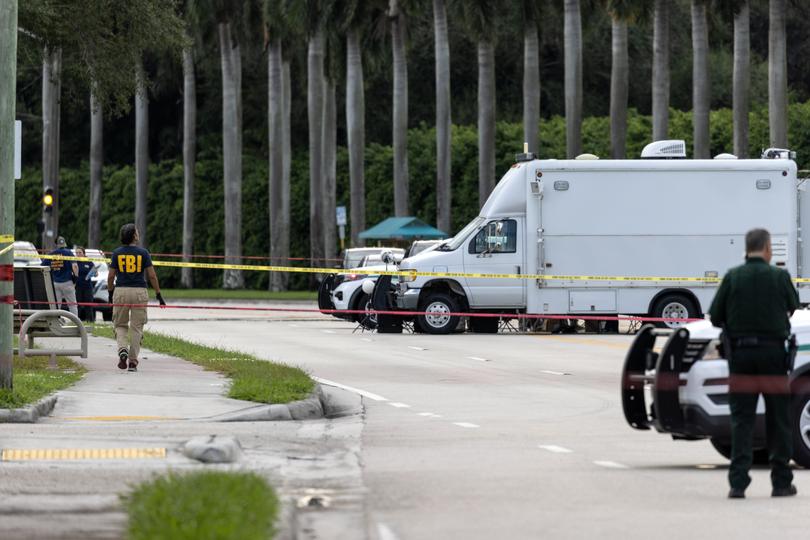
(457, 240)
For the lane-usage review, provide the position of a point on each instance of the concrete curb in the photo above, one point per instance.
(324, 402)
(29, 414)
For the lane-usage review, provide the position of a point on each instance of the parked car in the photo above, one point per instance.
(99, 277)
(353, 257)
(25, 254)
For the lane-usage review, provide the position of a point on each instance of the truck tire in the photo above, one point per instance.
(435, 320)
(484, 325)
(724, 449)
(801, 421)
(677, 306)
(369, 322)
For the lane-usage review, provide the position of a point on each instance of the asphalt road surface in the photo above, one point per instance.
(506, 436)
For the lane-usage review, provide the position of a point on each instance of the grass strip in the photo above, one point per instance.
(202, 505)
(252, 379)
(33, 380)
(236, 294)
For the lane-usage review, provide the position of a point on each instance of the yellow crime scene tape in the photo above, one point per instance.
(343, 271)
(6, 239)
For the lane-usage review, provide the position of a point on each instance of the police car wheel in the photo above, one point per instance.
(369, 322)
(436, 318)
(673, 306)
(801, 422)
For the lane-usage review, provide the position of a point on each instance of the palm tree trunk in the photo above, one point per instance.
(660, 71)
(315, 114)
(286, 158)
(96, 171)
(619, 85)
(51, 119)
(275, 108)
(531, 86)
(573, 78)
(329, 169)
(189, 162)
(400, 122)
(231, 61)
(141, 154)
(701, 85)
(777, 74)
(742, 79)
(443, 117)
(356, 135)
(486, 120)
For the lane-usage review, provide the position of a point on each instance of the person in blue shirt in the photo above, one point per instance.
(63, 274)
(130, 266)
(84, 286)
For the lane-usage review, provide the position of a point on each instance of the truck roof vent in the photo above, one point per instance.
(664, 150)
(725, 156)
(587, 156)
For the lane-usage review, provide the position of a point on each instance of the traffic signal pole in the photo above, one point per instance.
(8, 99)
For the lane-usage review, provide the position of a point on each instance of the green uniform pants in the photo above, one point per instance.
(754, 371)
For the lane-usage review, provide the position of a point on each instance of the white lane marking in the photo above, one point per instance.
(478, 358)
(416, 348)
(328, 331)
(385, 533)
(550, 372)
(400, 405)
(610, 465)
(554, 448)
(465, 425)
(367, 340)
(293, 325)
(363, 393)
(429, 415)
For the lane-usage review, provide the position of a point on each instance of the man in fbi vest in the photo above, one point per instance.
(130, 267)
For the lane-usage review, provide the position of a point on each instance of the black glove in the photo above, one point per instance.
(110, 295)
(160, 299)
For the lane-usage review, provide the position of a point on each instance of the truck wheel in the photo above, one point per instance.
(724, 449)
(369, 322)
(436, 319)
(674, 306)
(801, 422)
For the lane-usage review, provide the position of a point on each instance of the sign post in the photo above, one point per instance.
(340, 216)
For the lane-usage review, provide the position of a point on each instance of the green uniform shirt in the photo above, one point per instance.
(755, 299)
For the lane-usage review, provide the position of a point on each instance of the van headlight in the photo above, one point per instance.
(405, 278)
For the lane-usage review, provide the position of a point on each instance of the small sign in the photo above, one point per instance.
(17, 149)
(340, 215)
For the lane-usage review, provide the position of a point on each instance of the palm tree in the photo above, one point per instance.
(660, 70)
(315, 83)
(621, 12)
(400, 121)
(51, 120)
(329, 135)
(701, 85)
(777, 74)
(531, 74)
(141, 153)
(286, 162)
(742, 77)
(355, 132)
(443, 116)
(96, 165)
(479, 16)
(573, 78)
(189, 161)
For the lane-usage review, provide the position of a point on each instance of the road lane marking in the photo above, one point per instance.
(465, 424)
(328, 331)
(400, 405)
(610, 465)
(118, 418)
(478, 358)
(554, 448)
(293, 325)
(551, 372)
(429, 415)
(385, 533)
(60, 454)
(367, 340)
(364, 393)
(416, 348)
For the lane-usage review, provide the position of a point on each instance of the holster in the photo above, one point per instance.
(792, 349)
(724, 348)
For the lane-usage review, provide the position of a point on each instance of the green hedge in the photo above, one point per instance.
(166, 184)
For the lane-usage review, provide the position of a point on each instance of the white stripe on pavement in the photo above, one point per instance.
(610, 465)
(429, 415)
(465, 425)
(555, 448)
(385, 533)
(478, 358)
(550, 372)
(328, 331)
(400, 405)
(416, 348)
(363, 393)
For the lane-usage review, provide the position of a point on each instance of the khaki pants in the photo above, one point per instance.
(129, 321)
(65, 292)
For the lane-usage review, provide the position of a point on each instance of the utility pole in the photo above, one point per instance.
(8, 100)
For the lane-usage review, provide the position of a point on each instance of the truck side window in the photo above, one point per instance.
(496, 237)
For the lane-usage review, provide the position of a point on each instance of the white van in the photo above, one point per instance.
(665, 218)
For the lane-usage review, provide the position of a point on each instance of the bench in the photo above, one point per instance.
(39, 316)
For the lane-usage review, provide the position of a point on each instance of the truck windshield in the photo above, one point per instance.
(462, 235)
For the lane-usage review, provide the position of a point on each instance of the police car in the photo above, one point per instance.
(682, 388)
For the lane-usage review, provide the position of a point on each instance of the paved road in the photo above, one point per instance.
(510, 436)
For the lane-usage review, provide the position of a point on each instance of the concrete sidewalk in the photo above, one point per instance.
(164, 387)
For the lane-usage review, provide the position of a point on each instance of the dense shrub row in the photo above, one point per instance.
(166, 184)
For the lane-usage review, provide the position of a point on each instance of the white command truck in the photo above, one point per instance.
(663, 216)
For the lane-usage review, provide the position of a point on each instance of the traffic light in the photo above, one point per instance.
(48, 199)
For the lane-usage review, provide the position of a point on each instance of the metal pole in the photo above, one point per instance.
(8, 99)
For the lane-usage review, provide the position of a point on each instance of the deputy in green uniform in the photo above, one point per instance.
(753, 305)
